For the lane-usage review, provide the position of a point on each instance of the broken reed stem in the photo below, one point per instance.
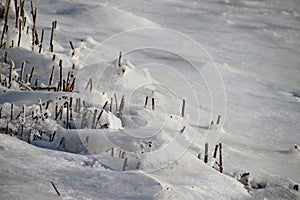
(5, 22)
(220, 158)
(25, 86)
(68, 113)
(101, 112)
(20, 33)
(11, 111)
(5, 57)
(73, 85)
(219, 119)
(110, 106)
(10, 74)
(71, 102)
(125, 164)
(51, 36)
(57, 192)
(120, 60)
(216, 150)
(89, 83)
(33, 13)
(60, 76)
(42, 39)
(22, 72)
(206, 153)
(29, 136)
(183, 108)
(22, 12)
(112, 152)
(17, 13)
(153, 103)
(146, 101)
(36, 83)
(72, 47)
(31, 75)
(51, 76)
(99, 117)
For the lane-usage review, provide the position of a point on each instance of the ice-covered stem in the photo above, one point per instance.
(78, 105)
(5, 22)
(206, 153)
(122, 108)
(183, 108)
(116, 101)
(120, 60)
(94, 119)
(146, 101)
(41, 109)
(89, 84)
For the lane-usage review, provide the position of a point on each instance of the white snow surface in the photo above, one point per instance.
(255, 45)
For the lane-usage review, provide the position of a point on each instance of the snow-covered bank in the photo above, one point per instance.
(155, 144)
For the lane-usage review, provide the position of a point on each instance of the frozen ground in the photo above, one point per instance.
(255, 46)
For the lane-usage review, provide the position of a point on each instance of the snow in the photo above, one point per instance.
(234, 58)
